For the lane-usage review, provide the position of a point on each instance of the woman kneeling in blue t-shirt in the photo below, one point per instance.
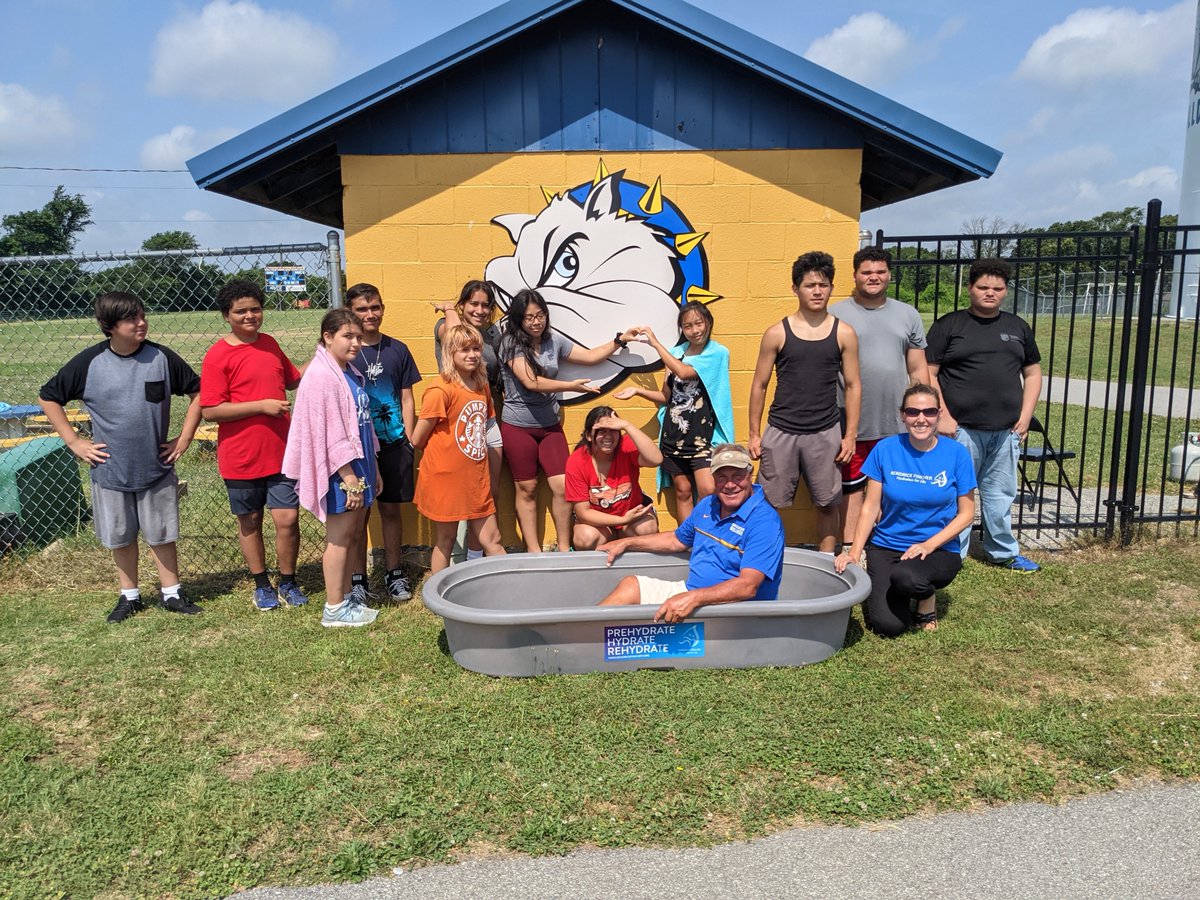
(924, 487)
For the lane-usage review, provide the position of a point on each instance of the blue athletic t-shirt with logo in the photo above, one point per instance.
(920, 489)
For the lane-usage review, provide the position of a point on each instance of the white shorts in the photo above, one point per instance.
(656, 592)
(494, 440)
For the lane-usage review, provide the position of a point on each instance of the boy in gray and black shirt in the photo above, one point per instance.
(126, 384)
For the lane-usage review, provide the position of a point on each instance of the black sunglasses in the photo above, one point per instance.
(928, 412)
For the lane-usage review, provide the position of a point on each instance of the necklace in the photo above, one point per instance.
(374, 369)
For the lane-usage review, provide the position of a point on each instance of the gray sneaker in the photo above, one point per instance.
(348, 616)
(360, 596)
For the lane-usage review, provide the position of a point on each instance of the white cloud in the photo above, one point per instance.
(196, 215)
(1107, 44)
(1073, 161)
(29, 121)
(869, 49)
(238, 50)
(1161, 179)
(177, 146)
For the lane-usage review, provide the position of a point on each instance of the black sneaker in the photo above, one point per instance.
(124, 609)
(180, 604)
(397, 585)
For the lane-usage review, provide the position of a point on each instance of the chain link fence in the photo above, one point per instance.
(46, 318)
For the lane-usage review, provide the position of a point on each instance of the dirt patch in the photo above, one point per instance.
(722, 827)
(480, 850)
(1181, 597)
(245, 766)
(832, 783)
(72, 732)
(1169, 666)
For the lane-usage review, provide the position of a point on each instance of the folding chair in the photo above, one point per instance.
(1040, 455)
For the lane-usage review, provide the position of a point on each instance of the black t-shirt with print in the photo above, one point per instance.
(981, 362)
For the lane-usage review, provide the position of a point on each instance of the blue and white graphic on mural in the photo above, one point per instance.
(606, 255)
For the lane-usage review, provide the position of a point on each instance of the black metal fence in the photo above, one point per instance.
(1115, 318)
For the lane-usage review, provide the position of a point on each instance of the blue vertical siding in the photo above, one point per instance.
(578, 83)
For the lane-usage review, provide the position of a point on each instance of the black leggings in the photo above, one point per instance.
(895, 583)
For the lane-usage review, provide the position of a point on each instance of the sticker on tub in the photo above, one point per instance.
(653, 641)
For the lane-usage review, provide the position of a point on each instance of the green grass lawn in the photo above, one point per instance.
(195, 756)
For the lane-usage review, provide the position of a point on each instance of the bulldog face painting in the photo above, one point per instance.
(606, 255)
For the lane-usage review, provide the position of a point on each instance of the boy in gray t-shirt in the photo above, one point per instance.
(891, 350)
(126, 384)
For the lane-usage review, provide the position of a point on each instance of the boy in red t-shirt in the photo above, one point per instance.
(243, 385)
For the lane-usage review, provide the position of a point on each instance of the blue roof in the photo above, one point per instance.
(285, 163)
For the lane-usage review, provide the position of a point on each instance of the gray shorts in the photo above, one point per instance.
(118, 516)
(785, 456)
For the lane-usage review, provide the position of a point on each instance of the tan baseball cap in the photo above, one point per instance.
(733, 455)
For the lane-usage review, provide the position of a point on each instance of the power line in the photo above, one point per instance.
(80, 169)
(104, 187)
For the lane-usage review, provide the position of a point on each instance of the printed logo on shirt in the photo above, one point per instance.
(605, 495)
(1010, 337)
(364, 407)
(938, 480)
(470, 431)
(737, 529)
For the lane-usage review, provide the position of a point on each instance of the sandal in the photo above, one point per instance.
(925, 621)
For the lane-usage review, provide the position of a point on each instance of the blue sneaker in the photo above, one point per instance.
(1019, 564)
(348, 615)
(290, 591)
(265, 599)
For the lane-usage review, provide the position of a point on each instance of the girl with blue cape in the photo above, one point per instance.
(696, 410)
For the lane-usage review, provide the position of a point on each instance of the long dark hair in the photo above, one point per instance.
(595, 414)
(697, 307)
(514, 333)
(470, 288)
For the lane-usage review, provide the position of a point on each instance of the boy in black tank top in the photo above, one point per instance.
(808, 350)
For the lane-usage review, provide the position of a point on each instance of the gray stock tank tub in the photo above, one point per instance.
(536, 614)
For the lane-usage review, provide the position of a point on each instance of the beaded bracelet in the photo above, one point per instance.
(359, 488)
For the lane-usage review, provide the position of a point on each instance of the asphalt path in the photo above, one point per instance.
(1160, 400)
(1142, 843)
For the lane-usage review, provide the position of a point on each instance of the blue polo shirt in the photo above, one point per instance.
(750, 538)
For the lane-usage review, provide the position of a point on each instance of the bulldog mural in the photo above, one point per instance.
(605, 255)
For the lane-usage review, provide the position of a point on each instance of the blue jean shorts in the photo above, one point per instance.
(250, 495)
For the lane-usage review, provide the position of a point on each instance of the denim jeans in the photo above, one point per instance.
(994, 454)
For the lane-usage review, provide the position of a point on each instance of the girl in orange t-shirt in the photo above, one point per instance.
(453, 483)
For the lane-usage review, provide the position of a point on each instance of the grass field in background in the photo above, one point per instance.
(196, 756)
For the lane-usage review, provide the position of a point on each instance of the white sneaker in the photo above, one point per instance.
(347, 615)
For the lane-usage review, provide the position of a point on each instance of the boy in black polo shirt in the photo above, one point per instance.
(126, 383)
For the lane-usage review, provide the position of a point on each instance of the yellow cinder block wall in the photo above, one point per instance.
(420, 226)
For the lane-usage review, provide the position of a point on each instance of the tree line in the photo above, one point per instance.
(931, 274)
(64, 288)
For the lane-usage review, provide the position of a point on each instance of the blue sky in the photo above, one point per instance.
(1087, 103)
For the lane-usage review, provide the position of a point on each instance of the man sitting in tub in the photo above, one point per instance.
(735, 538)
